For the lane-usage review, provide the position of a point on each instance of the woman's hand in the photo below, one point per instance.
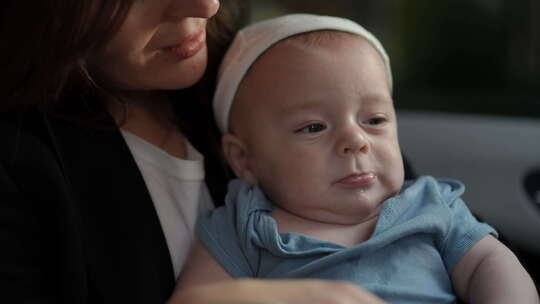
(256, 291)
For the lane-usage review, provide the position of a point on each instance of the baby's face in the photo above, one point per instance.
(320, 130)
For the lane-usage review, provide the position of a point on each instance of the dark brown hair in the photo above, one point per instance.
(44, 46)
(43, 51)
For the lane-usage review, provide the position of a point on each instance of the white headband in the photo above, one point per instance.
(251, 42)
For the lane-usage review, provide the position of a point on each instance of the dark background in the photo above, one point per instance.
(469, 56)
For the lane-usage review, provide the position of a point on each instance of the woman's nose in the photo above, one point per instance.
(353, 140)
(192, 8)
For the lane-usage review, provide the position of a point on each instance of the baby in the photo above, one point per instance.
(310, 129)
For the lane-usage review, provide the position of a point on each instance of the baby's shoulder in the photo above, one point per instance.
(430, 188)
(241, 202)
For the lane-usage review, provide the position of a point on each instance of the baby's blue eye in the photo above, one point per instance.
(312, 128)
(375, 121)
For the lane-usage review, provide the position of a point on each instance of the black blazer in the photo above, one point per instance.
(77, 224)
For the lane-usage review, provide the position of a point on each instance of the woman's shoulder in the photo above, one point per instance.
(28, 152)
(22, 134)
(32, 134)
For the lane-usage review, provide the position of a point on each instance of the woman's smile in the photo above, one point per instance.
(188, 47)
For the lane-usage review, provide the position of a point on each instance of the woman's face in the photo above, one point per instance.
(160, 46)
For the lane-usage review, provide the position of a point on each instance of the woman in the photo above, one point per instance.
(99, 181)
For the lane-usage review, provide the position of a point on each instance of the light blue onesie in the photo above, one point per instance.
(420, 236)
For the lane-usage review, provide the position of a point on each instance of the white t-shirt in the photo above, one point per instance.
(177, 189)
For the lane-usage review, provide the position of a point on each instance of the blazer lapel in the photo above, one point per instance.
(126, 252)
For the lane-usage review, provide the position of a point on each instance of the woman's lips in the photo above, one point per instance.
(189, 47)
(358, 179)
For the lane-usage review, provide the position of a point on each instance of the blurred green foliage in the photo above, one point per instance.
(476, 56)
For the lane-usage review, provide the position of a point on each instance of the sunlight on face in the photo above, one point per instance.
(320, 128)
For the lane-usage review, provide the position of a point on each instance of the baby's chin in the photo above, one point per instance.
(354, 215)
(358, 216)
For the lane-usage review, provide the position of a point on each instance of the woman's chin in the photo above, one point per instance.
(185, 79)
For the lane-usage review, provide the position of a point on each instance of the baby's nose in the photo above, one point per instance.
(352, 141)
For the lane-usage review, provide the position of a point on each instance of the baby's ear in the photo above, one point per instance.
(237, 155)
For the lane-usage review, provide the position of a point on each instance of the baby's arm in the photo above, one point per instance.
(201, 268)
(490, 273)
